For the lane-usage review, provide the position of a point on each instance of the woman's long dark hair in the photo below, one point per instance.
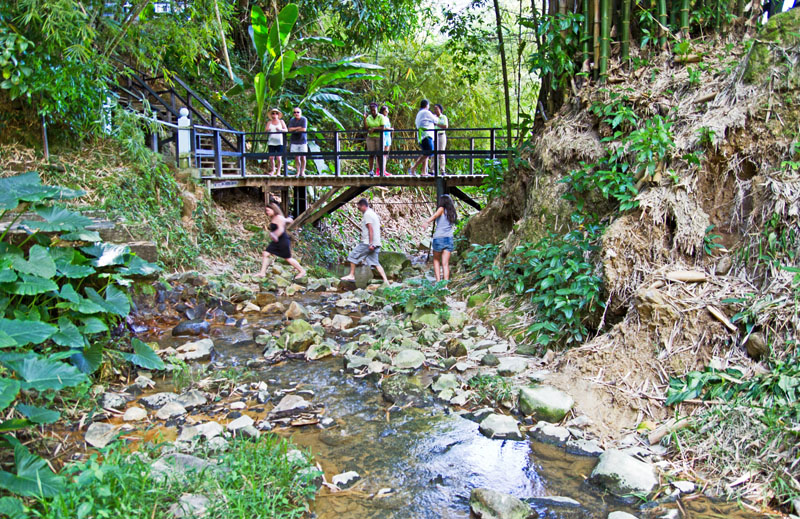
(449, 209)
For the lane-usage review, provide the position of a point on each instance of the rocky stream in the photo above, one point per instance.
(384, 403)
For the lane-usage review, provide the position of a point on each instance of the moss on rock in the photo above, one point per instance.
(766, 60)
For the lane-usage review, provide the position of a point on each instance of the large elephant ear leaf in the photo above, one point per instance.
(26, 187)
(41, 374)
(143, 356)
(58, 219)
(30, 285)
(137, 266)
(68, 334)
(116, 301)
(39, 263)
(12, 508)
(106, 254)
(33, 477)
(8, 391)
(89, 358)
(27, 332)
(38, 415)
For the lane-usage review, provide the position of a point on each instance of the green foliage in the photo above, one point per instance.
(490, 389)
(418, 295)
(555, 57)
(495, 171)
(709, 241)
(479, 260)
(255, 479)
(55, 301)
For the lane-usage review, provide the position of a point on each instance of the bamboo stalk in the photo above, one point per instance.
(740, 8)
(626, 29)
(685, 19)
(662, 19)
(605, 31)
(585, 32)
(596, 34)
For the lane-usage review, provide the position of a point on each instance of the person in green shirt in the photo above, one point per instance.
(374, 123)
(438, 111)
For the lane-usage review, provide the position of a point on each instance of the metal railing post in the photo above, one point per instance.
(491, 143)
(472, 155)
(435, 152)
(286, 155)
(217, 154)
(193, 146)
(336, 148)
(242, 147)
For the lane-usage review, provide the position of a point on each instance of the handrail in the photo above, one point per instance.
(202, 101)
(150, 91)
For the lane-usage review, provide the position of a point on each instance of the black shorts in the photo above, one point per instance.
(426, 145)
(281, 248)
(275, 149)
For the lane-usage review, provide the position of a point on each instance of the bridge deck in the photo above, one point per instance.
(268, 182)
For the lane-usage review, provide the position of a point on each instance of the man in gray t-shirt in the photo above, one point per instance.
(298, 142)
(368, 251)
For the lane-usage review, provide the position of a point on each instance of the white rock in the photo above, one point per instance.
(621, 515)
(190, 505)
(134, 414)
(345, 479)
(686, 487)
(196, 350)
(100, 434)
(290, 405)
(170, 410)
(500, 426)
(239, 423)
(192, 398)
(341, 322)
(510, 366)
(549, 433)
(622, 474)
(238, 406)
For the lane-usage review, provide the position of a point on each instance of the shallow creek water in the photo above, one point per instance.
(430, 457)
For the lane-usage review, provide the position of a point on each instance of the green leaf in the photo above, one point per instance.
(7, 274)
(12, 508)
(58, 219)
(33, 477)
(30, 285)
(88, 359)
(8, 391)
(143, 356)
(116, 301)
(26, 187)
(6, 341)
(93, 325)
(106, 254)
(40, 374)
(78, 303)
(27, 332)
(15, 424)
(68, 334)
(259, 30)
(38, 415)
(136, 266)
(82, 235)
(72, 271)
(39, 263)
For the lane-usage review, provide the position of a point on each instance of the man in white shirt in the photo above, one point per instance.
(425, 123)
(368, 251)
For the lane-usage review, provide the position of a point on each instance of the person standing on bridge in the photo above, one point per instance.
(281, 244)
(387, 138)
(298, 143)
(374, 124)
(425, 123)
(276, 127)
(438, 111)
(368, 251)
(445, 218)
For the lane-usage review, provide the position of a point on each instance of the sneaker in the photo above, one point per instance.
(387, 174)
(372, 173)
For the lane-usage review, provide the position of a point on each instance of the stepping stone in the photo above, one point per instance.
(100, 434)
(500, 426)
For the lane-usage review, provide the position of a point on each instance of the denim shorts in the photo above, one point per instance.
(426, 145)
(441, 244)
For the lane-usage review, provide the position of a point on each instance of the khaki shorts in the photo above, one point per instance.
(374, 143)
(362, 255)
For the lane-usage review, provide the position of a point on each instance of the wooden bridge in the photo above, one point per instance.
(229, 158)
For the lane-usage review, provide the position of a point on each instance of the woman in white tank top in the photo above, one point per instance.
(275, 140)
(442, 239)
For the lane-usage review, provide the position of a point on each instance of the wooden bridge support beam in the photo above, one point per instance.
(299, 200)
(464, 198)
(348, 195)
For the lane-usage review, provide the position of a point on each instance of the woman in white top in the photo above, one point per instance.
(438, 111)
(276, 127)
(442, 239)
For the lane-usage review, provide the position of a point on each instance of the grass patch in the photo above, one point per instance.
(257, 481)
(490, 389)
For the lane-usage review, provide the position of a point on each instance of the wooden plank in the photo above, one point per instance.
(313, 207)
(337, 202)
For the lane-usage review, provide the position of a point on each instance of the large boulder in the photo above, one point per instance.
(318, 351)
(194, 327)
(197, 350)
(393, 262)
(545, 403)
(296, 311)
(623, 475)
(490, 504)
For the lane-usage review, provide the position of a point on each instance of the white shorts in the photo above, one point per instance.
(298, 148)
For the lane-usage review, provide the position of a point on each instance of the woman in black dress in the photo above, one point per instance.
(281, 245)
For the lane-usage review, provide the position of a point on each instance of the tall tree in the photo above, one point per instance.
(502, 50)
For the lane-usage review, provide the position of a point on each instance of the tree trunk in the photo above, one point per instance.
(585, 32)
(626, 29)
(502, 48)
(224, 42)
(596, 34)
